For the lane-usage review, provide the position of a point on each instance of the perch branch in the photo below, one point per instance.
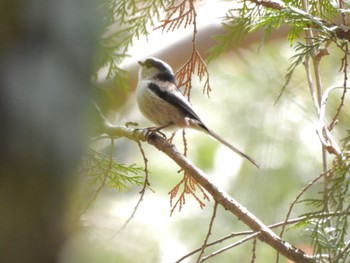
(265, 234)
(221, 197)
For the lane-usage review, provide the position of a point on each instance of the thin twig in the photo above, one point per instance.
(232, 235)
(142, 193)
(311, 85)
(209, 232)
(273, 226)
(296, 199)
(104, 180)
(243, 240)
(345, 74)
(184, 140)
(319, 91)
(254, 250)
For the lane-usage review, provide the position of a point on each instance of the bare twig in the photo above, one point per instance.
(243, 240)
(273, 226)
(319, 90)
(142, 192)
(311, 85)
(253, 251)
(184, 141)
(220, 240)
(265, 234)
(296, 199)
(230, 204)
(209, 232)
(344, 67)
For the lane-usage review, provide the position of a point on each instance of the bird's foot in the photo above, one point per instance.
(151, 131)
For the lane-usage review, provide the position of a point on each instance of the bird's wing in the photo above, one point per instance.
(178, 100)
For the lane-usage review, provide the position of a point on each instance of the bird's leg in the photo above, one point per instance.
(170, 140)
(155, 130)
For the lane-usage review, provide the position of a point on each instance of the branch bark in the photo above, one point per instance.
(221, 197)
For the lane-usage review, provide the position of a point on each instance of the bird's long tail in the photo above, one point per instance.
(233, 148)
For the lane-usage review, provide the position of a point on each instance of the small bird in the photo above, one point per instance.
(161, 102)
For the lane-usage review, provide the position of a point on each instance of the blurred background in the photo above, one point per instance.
(47, 59)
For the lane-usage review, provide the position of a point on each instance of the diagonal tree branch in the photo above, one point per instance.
(229, 203)
(221, 197)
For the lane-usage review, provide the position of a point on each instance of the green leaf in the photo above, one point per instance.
(101, 169)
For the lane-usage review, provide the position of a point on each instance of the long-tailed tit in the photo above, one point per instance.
(161, 102)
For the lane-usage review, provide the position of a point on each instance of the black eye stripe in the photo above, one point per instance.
(166, 76)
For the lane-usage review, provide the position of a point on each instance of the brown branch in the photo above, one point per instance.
(184, 140)
(239, 242)
(230, 204)
(208, 233)
(296, 199)
(221, 197)
(273, 226)
(265, 234)
(253, 251)
(232, 235)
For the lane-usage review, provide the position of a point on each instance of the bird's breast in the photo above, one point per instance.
(156, 109)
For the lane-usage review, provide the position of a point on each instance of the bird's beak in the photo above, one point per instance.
(140, 62)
